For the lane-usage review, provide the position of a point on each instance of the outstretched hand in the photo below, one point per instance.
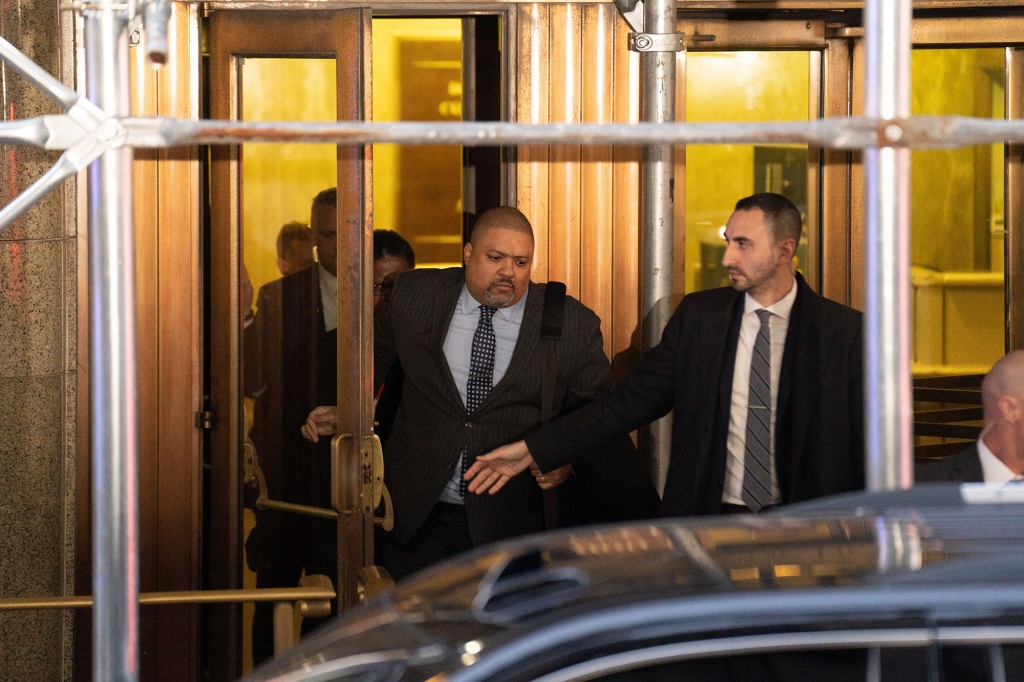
(490, 472)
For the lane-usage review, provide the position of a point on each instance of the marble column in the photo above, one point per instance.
(38, 328)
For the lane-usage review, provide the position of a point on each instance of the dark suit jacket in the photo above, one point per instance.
(290, 367)
(432, 426)
(819, 424)
(963, 467)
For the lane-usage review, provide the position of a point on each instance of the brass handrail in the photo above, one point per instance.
(178, 598)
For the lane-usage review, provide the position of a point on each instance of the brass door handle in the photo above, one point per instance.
(388, 521)
(253, 473)
(379, 491)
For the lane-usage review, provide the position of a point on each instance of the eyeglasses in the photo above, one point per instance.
(383, 289)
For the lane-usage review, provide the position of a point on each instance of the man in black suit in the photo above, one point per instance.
(392, 255)
(998, 454)
(805, 438)
(290, 366)
(469, 342)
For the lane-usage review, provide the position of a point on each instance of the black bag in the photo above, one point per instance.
(612, 484)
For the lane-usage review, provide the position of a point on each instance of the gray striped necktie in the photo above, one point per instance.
(757, 460)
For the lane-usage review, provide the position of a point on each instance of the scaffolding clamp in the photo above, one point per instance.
(657, 42)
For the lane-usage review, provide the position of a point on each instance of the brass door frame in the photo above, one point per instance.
(329, 33)
(1013, 220)
(264, 29)
(826, 185)
(836, 219)
(167, 206)
(993, 31)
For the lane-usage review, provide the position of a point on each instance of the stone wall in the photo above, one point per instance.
(38, 328)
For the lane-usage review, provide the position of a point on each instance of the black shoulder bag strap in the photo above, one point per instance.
(550, 332)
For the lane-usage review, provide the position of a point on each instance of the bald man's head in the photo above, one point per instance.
(504, 217)
(1005, 378)
(1002, 393)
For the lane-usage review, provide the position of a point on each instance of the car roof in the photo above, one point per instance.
(931, 554)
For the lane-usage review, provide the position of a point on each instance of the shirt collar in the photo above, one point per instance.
(328, 282)
(782, 308)
(992, 468)
(468, 305)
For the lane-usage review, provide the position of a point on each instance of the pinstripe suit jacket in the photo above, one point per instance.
(432, 425)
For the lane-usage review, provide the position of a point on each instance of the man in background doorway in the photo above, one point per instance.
(998, 454)
(294, 247)
(392, 255)
(290, 366)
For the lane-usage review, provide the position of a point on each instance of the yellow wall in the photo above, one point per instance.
(279, 181)
(443, 224)
(742, 87)
(957, 295)
(386, 74)
(952, 189)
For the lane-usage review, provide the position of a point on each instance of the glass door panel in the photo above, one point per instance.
(957, 231)
(748, 86)
(291, 367)
(279, 181)
(307, 344)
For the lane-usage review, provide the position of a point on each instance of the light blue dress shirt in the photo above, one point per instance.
(458, 349)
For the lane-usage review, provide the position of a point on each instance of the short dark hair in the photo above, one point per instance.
(328, 197)
(390, 243)
(292, 232)
(505, 217)
(780, 213)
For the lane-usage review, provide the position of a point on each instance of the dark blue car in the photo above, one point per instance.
(926, 584)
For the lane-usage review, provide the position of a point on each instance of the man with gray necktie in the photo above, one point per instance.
(469, 341)
(764, 379)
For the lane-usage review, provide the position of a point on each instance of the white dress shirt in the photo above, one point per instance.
(992, 468)
(329, 298)
(736, 442)
(458, 350)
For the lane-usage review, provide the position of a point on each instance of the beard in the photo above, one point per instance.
(499, 299)
(757, 277)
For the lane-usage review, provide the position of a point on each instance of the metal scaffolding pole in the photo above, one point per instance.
(112, 377)
(887, 401)
(657, 205)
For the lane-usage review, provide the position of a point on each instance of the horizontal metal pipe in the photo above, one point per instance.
(837, 133)
(176, 598)
(33, 132)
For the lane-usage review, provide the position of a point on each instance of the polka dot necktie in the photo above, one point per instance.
(757, 460)
(481, 371)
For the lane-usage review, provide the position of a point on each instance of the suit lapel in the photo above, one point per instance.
(302, 312)
(793, 413)
(727, 326)
(445, 301)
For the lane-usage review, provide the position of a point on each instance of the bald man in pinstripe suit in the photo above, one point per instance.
(431, 325)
